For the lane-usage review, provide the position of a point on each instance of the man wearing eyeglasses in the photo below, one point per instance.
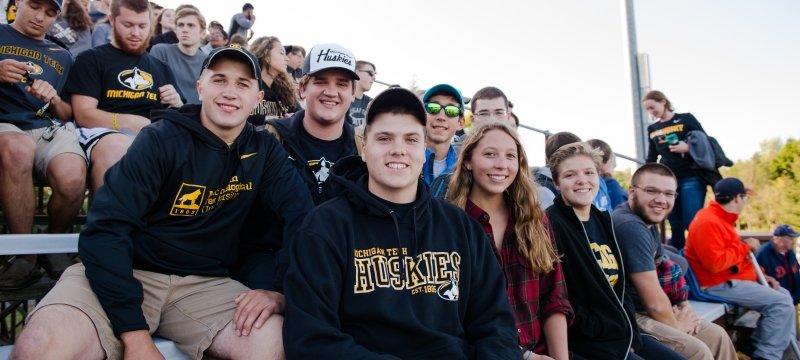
(217, 37)
(37, 137)
(358, 109)
(444, 106)
(490, 104)
(720, 259)
(658, 288)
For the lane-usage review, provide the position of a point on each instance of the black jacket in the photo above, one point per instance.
(174, 203)
(289, 130)
(365, 283)
(604, 326)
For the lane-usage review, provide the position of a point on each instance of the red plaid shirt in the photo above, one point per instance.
(533, 297)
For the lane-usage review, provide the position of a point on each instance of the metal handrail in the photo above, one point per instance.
(547, 133)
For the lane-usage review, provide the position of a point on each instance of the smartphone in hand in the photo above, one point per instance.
(672, 139)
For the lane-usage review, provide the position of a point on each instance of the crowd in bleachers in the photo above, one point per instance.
(249, 200)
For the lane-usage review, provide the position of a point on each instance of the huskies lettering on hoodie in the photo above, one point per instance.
(418, 281)
(175, 204)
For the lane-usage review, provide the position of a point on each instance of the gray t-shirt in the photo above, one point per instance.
(438, 167)
(638, 243)
(76, 41)
(185, 68)
(239, 25)
(545, 196)
(101, 34)
(358, 110)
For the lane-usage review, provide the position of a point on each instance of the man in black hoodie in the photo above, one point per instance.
(315, 138)
(162, 233)
(383, 270)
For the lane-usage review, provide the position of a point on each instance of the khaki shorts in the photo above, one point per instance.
(189, 310)
(64, 140)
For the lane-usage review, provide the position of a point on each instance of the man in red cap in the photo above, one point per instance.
(720, 259)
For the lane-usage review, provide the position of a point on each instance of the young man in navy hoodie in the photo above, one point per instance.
(164, 229)
(384, 270)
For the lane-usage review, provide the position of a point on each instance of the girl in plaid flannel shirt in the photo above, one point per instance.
(492, 183)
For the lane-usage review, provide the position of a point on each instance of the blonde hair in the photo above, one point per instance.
(533, 237)
(571, 150)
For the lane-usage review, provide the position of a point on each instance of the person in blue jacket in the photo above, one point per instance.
(444, 106)
(384, 270)
(778, 259)
(163, 231)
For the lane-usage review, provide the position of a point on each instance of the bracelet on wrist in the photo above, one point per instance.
(114, 124)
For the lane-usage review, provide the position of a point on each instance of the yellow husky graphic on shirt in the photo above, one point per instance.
(192, 199)
(187, 201)
(431, 272)
(135, 79)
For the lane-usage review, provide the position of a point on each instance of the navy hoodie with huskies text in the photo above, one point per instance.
(174, 205)
(366, 283)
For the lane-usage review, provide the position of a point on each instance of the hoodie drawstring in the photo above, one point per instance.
(399, 245)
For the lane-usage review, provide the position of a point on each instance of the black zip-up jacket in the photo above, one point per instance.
(174, 204)
(367, 284)
(290, 130)
(604, 326)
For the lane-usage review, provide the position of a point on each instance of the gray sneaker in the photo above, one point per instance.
(19, 274)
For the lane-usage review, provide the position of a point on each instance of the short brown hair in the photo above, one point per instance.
(487, 93)
(603, 146)
(557, 140)
(652, 168)
(137, 6)
(188, 11)
(360, 63)
(571, 150)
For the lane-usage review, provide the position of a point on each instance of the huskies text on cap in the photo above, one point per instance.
(330, 56)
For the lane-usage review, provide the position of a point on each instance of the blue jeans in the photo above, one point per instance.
(651, 349)
(691, 197)
(776, 327)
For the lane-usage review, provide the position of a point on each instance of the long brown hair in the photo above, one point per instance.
(77, 17)
(284, 85)
(533, 237)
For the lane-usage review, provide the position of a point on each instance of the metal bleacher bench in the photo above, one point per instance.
(55, 244)
(707, 310)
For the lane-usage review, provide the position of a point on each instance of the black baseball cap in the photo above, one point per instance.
(59, 4)
(785, 230)
(393, 98)
(238, 53)
(730, 187)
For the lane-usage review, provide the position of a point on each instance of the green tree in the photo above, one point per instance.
(774, 174)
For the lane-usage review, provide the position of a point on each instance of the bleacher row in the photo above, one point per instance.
(15, 304)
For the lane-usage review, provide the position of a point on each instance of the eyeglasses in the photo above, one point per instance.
(449, 110)
(369, 72)
(744, 196)
(655, 192)
(215, 35)
(487, 113)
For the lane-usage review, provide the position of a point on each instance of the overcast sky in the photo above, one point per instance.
(732, 63)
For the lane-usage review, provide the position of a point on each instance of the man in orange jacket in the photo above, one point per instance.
(720, 260)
